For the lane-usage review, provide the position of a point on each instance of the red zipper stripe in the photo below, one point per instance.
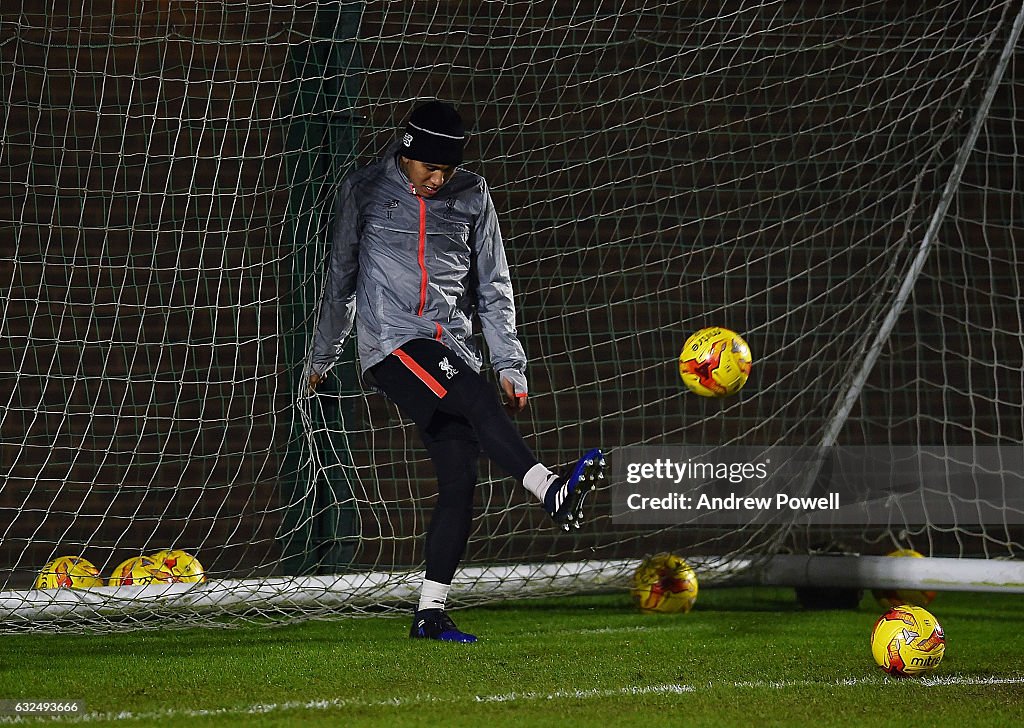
(422, 374)
(422, 255)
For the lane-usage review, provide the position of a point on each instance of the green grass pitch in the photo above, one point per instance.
(743, 657)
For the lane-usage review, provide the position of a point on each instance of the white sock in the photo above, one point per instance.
(433, 595)
(537, 480)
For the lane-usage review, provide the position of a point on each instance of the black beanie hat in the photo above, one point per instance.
(434, 134)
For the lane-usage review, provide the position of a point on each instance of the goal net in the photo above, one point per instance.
(167, 173)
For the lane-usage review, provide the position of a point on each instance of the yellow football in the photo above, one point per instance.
(138, 570)
(715, 362)
(69, 572)
(664, 583)
(180, 565)
(907, 641)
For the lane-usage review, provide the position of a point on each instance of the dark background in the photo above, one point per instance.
(166, 174)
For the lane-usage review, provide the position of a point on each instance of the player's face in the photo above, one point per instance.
(426, 178)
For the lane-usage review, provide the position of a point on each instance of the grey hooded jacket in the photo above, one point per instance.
(405, 267)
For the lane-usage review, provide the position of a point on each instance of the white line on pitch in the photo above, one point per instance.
(618, 630)
(670, 689)
(933, 681)
(584, 694)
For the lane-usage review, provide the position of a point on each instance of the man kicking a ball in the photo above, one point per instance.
(416, 257)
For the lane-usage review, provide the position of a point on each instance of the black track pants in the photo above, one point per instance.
(458, 414)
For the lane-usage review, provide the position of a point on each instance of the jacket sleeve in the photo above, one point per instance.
(495, 307)
(338, 305)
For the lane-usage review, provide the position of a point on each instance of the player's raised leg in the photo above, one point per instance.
(563, 497)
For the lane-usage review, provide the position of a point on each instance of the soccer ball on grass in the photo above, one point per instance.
(715, 362)
(664, 583)
(907, 641)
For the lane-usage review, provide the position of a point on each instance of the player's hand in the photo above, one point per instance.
(513, 390)
(314, 381)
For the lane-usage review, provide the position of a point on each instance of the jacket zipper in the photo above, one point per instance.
(422, 256)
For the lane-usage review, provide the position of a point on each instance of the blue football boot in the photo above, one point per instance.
(435, 624)
(564, 499)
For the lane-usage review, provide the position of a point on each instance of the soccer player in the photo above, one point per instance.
(416, 257)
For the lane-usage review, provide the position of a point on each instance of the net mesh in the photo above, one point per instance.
(166, 181)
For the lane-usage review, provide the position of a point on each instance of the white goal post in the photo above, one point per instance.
(254, 599)
(839, 182)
